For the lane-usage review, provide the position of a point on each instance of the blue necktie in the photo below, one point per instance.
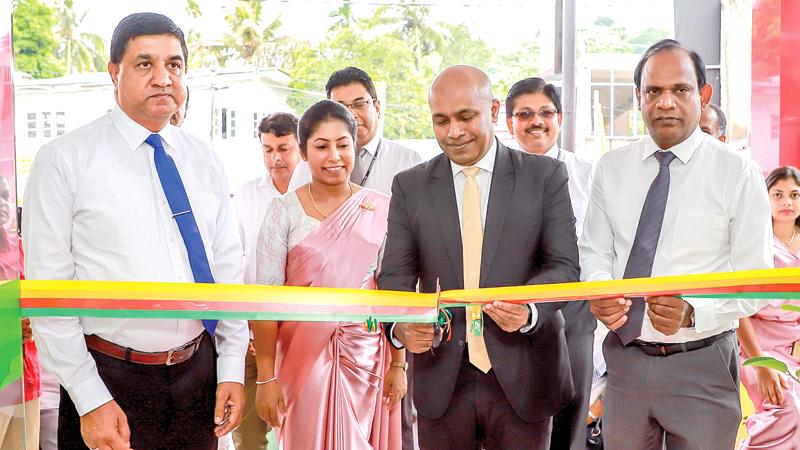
(182, 213)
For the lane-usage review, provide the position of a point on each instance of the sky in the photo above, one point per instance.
(497, 22)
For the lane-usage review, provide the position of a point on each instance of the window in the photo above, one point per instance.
(613, 92)
(61, 123)
(255, 125)
(233, 124)
(224, 123)
(31, 125)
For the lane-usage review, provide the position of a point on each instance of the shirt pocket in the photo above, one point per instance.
(699, 237)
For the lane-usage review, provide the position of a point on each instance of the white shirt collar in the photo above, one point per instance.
(553, 152)
(134, 133)
(683, 151)
(372, 145)
(486, 163)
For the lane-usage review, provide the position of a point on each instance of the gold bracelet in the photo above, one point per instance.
(259, 383)
(402, 365)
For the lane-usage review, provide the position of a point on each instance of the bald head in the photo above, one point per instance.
(469, 78)
(463, 110)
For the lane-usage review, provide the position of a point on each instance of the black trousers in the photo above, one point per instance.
(168, 407)
(569, 425)
(479, 417)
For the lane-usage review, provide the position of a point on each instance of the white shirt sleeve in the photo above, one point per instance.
(596, 243)
(47, 230)
(750, 248)
(232, 336)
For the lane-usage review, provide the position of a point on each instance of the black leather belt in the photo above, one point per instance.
(659, 349)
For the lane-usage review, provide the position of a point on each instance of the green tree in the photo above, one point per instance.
(35, 44)
(386, 58)
(80, 52)
(343, 16)
(249, 40)
(410, 23)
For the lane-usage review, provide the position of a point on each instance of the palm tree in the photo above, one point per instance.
(81, 52)
(248, 39)
(415, 29)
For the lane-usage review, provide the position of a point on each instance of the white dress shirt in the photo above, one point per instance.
(393, 158)
(717, 219)
(580, 182)
(95, 210)
(251, 202)
(484, 179)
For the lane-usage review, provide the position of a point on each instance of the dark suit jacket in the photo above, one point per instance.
(529, 238)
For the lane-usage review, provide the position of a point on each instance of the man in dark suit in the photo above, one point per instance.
(481, 215)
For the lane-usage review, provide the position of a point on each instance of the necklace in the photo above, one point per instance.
(325, 216)
(794, 234)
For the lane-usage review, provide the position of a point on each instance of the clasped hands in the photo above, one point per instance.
(418, 337)
(667, 314)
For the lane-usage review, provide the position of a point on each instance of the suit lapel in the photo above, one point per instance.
(444, 200)
(499, 201)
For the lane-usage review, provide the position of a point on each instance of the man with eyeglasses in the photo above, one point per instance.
(378, 159)
(533, 116)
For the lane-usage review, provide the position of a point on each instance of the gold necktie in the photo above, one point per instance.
(472, 246)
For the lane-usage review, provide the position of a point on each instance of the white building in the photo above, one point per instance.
(225, 107)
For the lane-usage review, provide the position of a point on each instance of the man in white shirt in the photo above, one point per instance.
(101, 205)
(378, 159)
(676, 202)
(533, 116)
(376, 163)
(277, 134)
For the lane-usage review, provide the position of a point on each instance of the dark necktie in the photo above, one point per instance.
(643, 251)
(357, 175)
(184, 217)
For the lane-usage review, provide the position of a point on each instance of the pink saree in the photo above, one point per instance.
(332, 373)
(775, 427)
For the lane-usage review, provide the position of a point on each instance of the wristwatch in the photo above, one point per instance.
(403, 365)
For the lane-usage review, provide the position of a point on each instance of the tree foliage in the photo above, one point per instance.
(35, 45)
(79, 51)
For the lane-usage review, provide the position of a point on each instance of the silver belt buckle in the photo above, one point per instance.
(169, 356)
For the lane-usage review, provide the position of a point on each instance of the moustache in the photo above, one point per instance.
(536, 128)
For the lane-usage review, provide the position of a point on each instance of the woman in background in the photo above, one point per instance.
(775, 332)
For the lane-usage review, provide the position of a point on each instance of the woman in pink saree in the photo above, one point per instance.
(331, 386)
(775, 332)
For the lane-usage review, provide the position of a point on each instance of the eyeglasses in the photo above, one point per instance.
(543, 114)
(358, 105)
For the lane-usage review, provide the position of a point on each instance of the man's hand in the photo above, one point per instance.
(510, 317)
(27, 332)
(611, 311)
(106, 427)
(668, 314)
(229, 407)
(415, 337)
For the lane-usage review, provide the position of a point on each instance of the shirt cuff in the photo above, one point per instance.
(534, 319)
(394, 340)
(704, 314)
(90, 395)
(230, 368)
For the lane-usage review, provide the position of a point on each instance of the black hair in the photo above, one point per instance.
(532, 85)
(722, 122)
(279, 124)
(143, 24)
(784, 173)
(350, 75)
(665, 45)
(323, 111)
